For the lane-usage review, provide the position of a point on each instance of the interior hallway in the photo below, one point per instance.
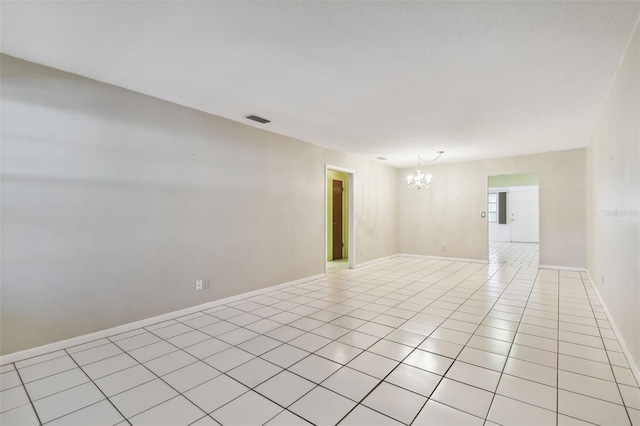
(406, 341)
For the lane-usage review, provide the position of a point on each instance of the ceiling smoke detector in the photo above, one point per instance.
(258, 119)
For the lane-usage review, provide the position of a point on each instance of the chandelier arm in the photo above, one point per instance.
(430, 161)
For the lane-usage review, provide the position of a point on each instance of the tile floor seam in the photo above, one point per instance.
(27, 393)
(533, 284)
(97, 387)
(584, 285)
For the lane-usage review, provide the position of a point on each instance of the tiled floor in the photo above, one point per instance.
(407, 341)
(336, 265)
(514, 254)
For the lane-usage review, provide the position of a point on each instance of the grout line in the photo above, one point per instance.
(607, 354)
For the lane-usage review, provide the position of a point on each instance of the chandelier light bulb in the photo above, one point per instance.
(420, 181)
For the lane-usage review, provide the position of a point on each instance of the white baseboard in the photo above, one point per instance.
(562, 268)
(452, 259)
(616, 330)
(85, 338)
(376, 261)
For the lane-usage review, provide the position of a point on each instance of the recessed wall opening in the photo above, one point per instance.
(340, 235)
(513, 218)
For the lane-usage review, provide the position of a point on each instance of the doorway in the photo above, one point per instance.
(513, 219)
(340, 235)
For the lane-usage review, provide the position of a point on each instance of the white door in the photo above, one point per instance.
(522, 214)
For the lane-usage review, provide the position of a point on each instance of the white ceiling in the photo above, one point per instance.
(393, 79)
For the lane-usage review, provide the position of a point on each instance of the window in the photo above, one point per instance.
(497, 203)
(493, 207)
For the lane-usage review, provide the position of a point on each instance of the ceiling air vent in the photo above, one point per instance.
(258, 119)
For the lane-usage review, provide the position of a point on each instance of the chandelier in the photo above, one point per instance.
(420, 180)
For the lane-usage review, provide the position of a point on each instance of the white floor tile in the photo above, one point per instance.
(21, 416)
(249, 409)
(259, 345)
(467, 398)
(254, 372)
(530, 371)
(228, 359)
(372, 364)
(109, 366)
(59, 404)
(314, 368)
(152, 351)
(143, 397)
(428, 361)
(322, 406)
(363, 416)
(12, 398)
(285, 333)
(534, 355)
(285, 355)
(142, 338)
(473, 375)
(358, 339)
(506, 411)
(414, 379)
(287, 418)
(395, 402)
(124, 380)
(206, 348)
(309, 342)
(527, 391)
(96, 354)
(178, 411)
(188, 339)
(237, 336)
(591, 409)
(589, 386)
(58, 382)
(441, 347)
(46, 368)
(339, 352)
(490, 345)
(191, 376)
(170, 362)
(631, 396)
(213, 394)
(436, 414)
(285, 388)
(391, 349)
(98, 414)
(351, 383)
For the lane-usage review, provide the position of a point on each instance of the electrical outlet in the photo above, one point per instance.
(207, 284)
(198, 285)
(483, 215)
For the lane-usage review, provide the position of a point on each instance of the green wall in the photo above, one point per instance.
(504, 181)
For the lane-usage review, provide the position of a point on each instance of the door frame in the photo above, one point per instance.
(351, 215)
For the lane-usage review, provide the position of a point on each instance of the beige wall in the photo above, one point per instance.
(344, 178)
(613, 200)
(113, 203)
(444, 220)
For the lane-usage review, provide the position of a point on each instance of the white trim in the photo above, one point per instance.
(562, 268)
(351, 225)
(74, 341)
(453, 259)
(376, 261)
(634, 367)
